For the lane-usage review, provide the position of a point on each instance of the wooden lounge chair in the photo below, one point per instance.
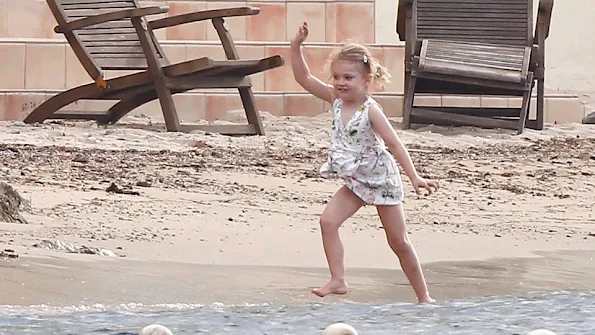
(473, 47)
(115, 35)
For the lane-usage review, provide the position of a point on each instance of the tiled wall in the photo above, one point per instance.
(257, 36)
(24, 61)
(36, 62)
(329, 20)
(276, 90)
(29, 49)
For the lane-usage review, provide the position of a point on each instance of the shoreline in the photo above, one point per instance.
(35, 281)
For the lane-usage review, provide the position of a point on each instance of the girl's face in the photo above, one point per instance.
(349, 83)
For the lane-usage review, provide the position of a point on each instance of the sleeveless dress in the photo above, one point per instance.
(360, 157)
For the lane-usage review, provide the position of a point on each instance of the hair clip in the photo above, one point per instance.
(365, 59)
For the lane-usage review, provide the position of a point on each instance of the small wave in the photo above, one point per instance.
(11, 310)
(566, 312)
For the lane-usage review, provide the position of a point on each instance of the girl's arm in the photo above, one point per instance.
(395, 145)
(301, 72)
(385, 130)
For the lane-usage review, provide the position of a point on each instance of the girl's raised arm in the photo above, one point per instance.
(301, 72)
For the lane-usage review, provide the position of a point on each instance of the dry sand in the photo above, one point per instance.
(235, 219)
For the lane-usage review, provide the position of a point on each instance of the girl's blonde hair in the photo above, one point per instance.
(359, 54)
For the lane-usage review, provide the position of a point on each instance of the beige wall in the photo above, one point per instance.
(570, 48)
(28, 46)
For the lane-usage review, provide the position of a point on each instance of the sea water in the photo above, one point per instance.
(566, 313)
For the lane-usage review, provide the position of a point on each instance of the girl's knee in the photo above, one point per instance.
(328, 225)
(399, 244)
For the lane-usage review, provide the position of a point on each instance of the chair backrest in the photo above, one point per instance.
(106, 46)
(507, 22)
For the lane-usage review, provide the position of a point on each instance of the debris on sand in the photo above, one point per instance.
(121, 189)
(10, 205)
(8, 254)
(68, 247)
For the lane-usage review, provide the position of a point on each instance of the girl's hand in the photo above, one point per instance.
(301, 35)
(419, 182)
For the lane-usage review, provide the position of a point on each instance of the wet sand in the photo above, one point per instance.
(72, 281)
(235, 219)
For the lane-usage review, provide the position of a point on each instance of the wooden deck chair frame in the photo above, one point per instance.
(474, 48)
(115, 35)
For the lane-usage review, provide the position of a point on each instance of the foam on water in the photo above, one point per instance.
(8, 310)
(566, 313)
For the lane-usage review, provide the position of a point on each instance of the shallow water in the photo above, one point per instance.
(566, 313)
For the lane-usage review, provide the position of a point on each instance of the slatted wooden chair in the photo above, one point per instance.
(474, 47)
(115, 35)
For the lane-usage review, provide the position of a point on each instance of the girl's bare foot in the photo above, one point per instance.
(332, 287)
(426, 300)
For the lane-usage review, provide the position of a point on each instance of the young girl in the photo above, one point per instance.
(358, 155)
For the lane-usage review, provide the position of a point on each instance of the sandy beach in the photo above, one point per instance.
(206, 218)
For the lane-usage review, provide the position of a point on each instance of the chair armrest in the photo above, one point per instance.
(107, 17)
(202, 15)
(405, 6)
(544, 18)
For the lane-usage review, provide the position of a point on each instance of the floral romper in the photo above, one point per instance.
(359, 157)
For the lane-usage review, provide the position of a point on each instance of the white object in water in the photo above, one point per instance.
(339, 329)
(155, 330)
(541, 332)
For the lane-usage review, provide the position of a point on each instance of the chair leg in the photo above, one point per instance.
(408, 100)
(540, 103)
(524, 112)
(252, 114)
(172, 123)
(246, 95)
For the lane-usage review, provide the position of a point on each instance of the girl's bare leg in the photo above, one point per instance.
(393, 220)
(342, 205)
